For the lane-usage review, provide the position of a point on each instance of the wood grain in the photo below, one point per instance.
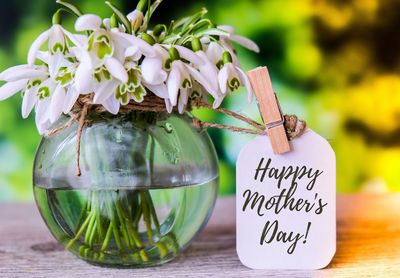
(269, 108)
(266, 98)
(368, 246)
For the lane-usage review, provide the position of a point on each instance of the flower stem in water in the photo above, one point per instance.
(113, 221)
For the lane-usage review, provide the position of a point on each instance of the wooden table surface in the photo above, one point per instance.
(368, 246)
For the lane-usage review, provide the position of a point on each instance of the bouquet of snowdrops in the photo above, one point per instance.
(122, 59)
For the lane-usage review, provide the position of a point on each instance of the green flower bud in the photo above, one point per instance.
(113, 21)
(226, 57)
(174, 54)
(157, 31)
(168, 63)
(196, 45)
(57, 17)
(148, 38)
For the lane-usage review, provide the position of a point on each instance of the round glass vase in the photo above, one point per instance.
(148, 186)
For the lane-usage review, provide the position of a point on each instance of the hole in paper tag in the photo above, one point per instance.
(286, 204)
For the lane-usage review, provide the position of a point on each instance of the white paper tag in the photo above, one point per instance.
(286, 204)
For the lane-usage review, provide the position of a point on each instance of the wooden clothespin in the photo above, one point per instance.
(270, 109)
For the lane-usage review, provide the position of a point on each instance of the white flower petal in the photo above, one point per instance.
(247, 43)
(107, 23)
(216, 32)
(56, 36)
(174, 83)
(112, 105)
(122, 39)
(58, 101)
(218, 101)
(223, 77)
(42, 112)
(105, 91)
(83, 56)
(28, 102)
(43, 56)
(146, 48)
(23, 72)
(36, 46)
(116, 69)
(209, 70)
(76, 39)
(152, 71)
(168, 105)
(11, 88)
(244, 79)
(88, 22)
(71, 98)
(84, 80)
(160, 90)
(42, 128)
(183, 99)
(227, 28)
(205, 40)
(214, 52)
(133, 51)
(188, 55)
(55, 62)
(161, 52)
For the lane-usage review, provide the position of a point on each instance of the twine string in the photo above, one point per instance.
(82, 122)
(294, 126)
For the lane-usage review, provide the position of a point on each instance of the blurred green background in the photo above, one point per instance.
(334, 63)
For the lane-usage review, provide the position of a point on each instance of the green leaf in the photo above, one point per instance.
(70, 7)
(202, 24)
(158, 29)
(180, 22)
(171, 39)
(185, 40)
(125, 21)
(194, 18)
(152, 9)
(171, 27)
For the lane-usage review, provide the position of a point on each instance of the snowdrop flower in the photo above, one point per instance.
(100, 48)
(180, 80)
(57, 39)
(196, 61)
(108, 50)
(243, 41)
(41, 91)
(231, 77)
(50, 100)
(209, 70)
(133, 88)
(25, 78)
(114, 93)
